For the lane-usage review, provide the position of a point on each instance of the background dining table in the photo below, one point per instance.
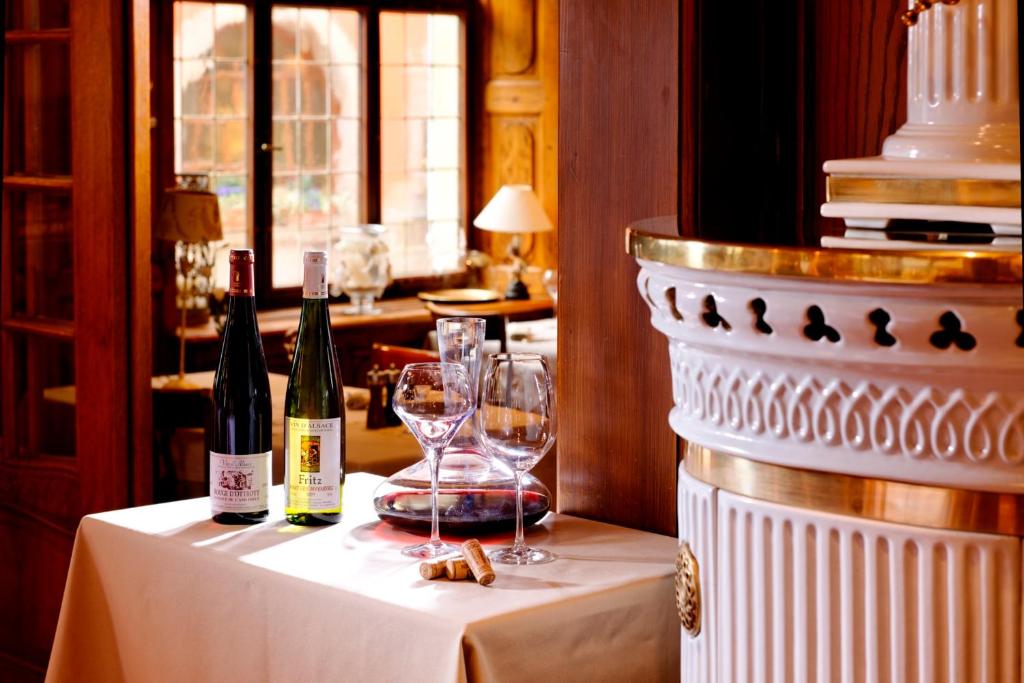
(381, 451)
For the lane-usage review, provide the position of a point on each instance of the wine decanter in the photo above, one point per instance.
(476, 491)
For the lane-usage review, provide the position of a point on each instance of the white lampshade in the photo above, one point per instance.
(189, 216)
(515, 208)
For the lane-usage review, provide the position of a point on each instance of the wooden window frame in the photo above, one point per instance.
(261, 125)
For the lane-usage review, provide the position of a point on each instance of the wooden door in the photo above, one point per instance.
(69, 261)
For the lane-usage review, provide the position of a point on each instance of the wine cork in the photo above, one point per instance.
(457, 569)
(432, 569)
(478, 562)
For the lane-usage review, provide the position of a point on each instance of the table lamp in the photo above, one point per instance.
(516, 210)
(191, 219)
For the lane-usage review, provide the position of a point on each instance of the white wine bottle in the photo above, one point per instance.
(314, 412)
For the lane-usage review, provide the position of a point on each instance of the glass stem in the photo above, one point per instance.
(434, 457)
(520, 543)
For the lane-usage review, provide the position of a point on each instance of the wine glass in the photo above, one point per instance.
(517, 426)
(433, 400)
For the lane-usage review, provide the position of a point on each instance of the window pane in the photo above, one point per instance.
(195, 147)
(345, 198)
(193, 30)
(314, 25)
(230, 146)
(319, 129)
(346, 88)
(232, 90)
(286, 78)
(284, 21)
(313, 89)
(196, 87)
(346, 38)
(316, 200)
(423, 141)
(39, 109)
(232, 193)
(44, 395)
(230, 30)
(211, 110)
(42, 254)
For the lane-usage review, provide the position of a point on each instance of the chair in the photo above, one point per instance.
(384, 355)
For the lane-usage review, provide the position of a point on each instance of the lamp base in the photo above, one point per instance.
(517, 290)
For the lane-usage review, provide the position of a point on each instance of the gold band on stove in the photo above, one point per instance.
(940, 191)
(885, 266)
(842, 494)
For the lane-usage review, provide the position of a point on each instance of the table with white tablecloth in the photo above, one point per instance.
(161, 593)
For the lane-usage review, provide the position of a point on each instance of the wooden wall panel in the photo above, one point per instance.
(856, 72)
(783, 88)
(140, 237)
(101, 254)
(618, 162)
(519, 116)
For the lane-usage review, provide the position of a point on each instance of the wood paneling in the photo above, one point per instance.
(856, 75)
(732, 109)
(519, 118)
(141, 249)
(619, 86)
(783, 88)
(101, 249)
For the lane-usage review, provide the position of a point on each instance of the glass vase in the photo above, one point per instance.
(362, 268)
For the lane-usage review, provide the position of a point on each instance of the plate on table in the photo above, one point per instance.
(460, 296)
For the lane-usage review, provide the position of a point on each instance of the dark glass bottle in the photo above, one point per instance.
(240, 436)
(314, 413)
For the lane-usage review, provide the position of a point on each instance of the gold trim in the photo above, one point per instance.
(882, 266)
(688, 602)
(842, 494)
(944, 191)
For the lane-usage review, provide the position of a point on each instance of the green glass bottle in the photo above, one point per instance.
(314, 410)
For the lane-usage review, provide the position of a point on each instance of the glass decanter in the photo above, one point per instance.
(477, 493)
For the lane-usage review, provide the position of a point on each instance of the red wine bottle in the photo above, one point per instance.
(240, 436)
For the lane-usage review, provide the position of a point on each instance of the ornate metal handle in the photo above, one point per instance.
(267, 147)
(688, 602)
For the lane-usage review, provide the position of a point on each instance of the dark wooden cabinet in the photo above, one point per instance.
(73, 324)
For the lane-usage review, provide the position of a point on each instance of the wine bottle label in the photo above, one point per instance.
(241, 273)
(314, 275)
(313, 463)
(239, 483)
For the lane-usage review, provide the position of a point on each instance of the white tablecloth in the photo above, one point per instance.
(161, 593)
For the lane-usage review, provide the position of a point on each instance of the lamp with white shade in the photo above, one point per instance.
(514, 210)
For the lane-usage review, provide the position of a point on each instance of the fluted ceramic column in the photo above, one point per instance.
(962, 88)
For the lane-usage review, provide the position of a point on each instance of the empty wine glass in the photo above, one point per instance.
(433, 400)
(517, 426)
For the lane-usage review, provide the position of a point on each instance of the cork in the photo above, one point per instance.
(478, 562)
(457, 569)
(432, 569)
